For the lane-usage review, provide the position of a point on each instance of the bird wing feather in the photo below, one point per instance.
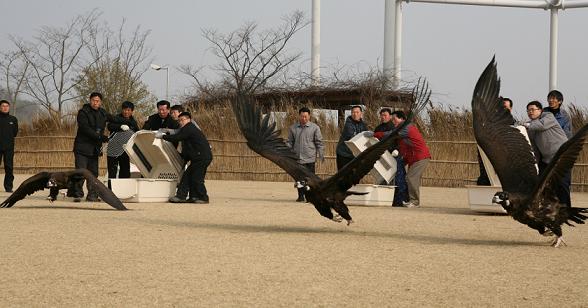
(264, 139)
(28, 187)
(508, 150)
(103, 192)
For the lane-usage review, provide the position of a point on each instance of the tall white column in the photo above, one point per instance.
(316, 43)
(553, 27)
(389, 24)
(397, 44)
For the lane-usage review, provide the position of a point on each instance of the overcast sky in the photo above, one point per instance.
(448, 44)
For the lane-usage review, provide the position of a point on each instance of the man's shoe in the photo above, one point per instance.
(410, 205)
(198, 201)
(92, 199)
(300, 199)
(9, 190)
(176, 199)
(76, 199)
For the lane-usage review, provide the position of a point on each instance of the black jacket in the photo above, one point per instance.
(8, 130)
(90, 134)
(119, 120)
(194, 143)
(350, 129)
(155, 122)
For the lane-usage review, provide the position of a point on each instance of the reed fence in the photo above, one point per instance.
(454, 163)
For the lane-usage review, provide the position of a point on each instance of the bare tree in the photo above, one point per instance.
(120, 59)
(250, 59)
(13, 68)
(55, 58)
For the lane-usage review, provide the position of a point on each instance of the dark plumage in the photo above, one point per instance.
(526, 196)
(61, 180)
(263, 138)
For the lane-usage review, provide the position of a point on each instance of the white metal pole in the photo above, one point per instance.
(553, 49)
(316, 42)
(167, 84)
(397, 44)
(389, 23)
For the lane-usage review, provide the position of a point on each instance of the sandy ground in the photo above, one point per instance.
(254, 246)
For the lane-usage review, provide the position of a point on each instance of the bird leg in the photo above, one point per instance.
(337, 218)
(547, 233)
(558, 241)
(349, 222)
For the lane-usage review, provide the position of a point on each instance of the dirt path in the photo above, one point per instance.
(253, 246)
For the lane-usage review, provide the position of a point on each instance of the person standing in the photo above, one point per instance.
(401, 191)
(196, 150)
(555, 100)
(8, 131)
(547, 137)
(161, 119)
(354, 125)
(91, 120)
(306, 140)
(117, 160)
(414, 150)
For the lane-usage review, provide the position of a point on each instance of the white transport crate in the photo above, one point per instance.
(480, 197)
(159, 163)
(378, 195)
(384, 171)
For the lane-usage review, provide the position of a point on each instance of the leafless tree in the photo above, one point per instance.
(120, 59)
(54, 58)
(13, 68)
(251, 58)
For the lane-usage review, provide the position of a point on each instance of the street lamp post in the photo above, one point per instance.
(159, 67)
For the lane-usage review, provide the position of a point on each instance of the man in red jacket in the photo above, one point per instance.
(414, 150)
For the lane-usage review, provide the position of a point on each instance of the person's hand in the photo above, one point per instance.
(394, 153)
(322, 158)
(379, 135)
(527, 124)
(368, 133)
(159, 134)
(124, 127)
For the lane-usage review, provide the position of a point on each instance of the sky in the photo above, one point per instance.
(448, 44)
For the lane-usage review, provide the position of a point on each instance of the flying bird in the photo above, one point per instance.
(61, 180)
(528, 197)
(264, 139)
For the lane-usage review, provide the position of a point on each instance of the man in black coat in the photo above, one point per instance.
(91, 122)
(196, 150)
(8, 130)
(117, 160)
(162, 119)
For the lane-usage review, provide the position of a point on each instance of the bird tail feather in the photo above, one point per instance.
(577, 215)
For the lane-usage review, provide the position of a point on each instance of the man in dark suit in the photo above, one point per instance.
(196, 150)
(162, 119)
(8, 130)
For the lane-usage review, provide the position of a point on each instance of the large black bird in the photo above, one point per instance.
(264, 139)
(61, 180)
(527, 197)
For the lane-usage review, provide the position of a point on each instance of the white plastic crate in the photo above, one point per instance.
(385, 168)
(143, 190)
(158, 162)
(378, 195)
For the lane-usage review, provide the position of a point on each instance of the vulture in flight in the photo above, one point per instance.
(61, 180)
(264, 139)
(527, 197)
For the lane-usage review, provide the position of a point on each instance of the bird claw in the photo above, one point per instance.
(548, 233)
(558, 241)
(349, 222)
(337, 218)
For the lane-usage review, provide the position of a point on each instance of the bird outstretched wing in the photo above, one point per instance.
(562, 162)
(264, 139)
(103, 192)
(28, 187)
(508, 150)
(361, 165)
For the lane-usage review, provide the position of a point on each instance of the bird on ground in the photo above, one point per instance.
(528, 197)
(61, 180)
(264, 139)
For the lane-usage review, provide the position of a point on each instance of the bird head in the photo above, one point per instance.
(502, 199)
(51, 183)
